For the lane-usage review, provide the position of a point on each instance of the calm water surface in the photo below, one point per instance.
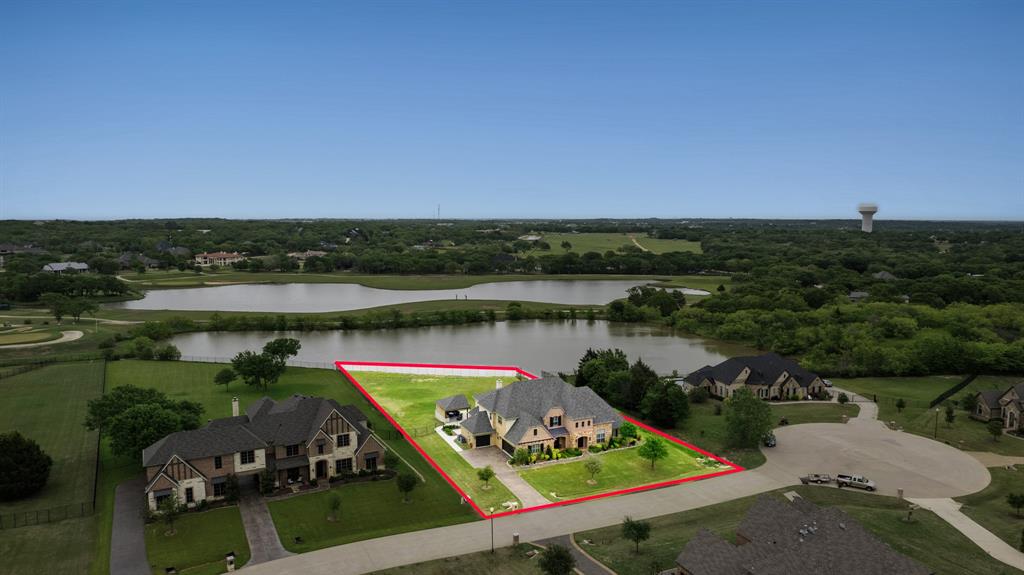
(311, 298)
(533, 345)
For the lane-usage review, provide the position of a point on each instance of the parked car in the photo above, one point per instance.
(843, 480)
(769, 439)
(827, 382)
(818, 478)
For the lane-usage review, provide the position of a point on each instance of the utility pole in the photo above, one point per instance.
(936, 434)
(492, 530)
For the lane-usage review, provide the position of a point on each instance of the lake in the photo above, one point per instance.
(533, 345)
(321, 297)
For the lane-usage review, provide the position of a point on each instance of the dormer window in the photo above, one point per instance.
(555, 421)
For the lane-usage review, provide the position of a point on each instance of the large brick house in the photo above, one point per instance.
(780, 538)
(537, 414)
(296, 439)
(768, 376)
(218, 258)
(1006, 405)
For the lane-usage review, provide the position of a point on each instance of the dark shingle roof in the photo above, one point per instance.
(453, 403)
(764, 370)
(528, 401)
(990, 397)
(796, 539)
(266, 422)
(477, 422)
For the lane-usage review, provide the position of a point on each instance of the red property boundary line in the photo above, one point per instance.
(341, 365)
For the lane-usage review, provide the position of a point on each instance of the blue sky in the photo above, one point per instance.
(500, 109)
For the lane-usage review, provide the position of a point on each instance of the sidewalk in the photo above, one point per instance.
(949, 511)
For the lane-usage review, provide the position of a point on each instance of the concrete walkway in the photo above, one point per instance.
(949, 510)
(264, 543)
(494, 457)
(127, 538)
(989, 459)
(585, 564)
(417, 546)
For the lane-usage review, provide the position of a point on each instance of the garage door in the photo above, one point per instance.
(483, 440)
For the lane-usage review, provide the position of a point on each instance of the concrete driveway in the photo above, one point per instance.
(484, 456)
(893, 459)
(127, 536)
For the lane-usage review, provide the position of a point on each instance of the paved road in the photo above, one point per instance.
(65, 336)
(127, 538)
(493, 456)
(407, 548)
(949, 510)
(893, 459)
(585, 564)
(264, 543)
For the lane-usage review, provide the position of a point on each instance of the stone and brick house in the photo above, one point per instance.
(1006, 405)
(537, 414)
(768, 376)
(781, 538)
(218, 258)
(296, 439)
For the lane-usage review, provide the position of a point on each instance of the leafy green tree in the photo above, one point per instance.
(593, 467)
(636, 531)
(142, 347)
(557, 560)
(170, 510)
(334, 504)
(390, 459)
(1015, 500)
(225, 377)
(282, 348)
(995, 428)
(843, 399)
(747, 419)
(628, 430)
(57, 304)
(950, 414)
(24, 466)
(566, 245)
(140, 426)
(168, 352)
(521, 456)
(102, 410)
(969, 403)
(485, 474)
(266, 482)
(406, 483)
(900, 405)
(258, 370)
(641, 379)
(653, 449)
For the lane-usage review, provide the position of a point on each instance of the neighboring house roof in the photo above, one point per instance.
(129, 258)
(477, 422)
(266, 422)
(64, 266)
(528, 401)
(453, 403)
(990, 397)
(764, 370)
(859, 294)
(884, 276)
(798, 537)
(215, 255)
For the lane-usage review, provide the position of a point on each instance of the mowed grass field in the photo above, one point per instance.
(603, 242)
(207, 536)
(435, 503)
(504, 561)
(927, 538)
(49, 406)
(989, 507)
(919, 419)
(621, 469)
(410, 398)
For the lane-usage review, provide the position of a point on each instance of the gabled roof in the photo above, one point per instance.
(477, 422)
(764, 370)
(990, 397)
(453, 403)
(528, 401)
(64, 266)
(295, 420)
(796, 538)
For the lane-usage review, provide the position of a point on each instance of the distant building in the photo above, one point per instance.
(218, 258)
(60, 268)
(768, 376)
(530, 238)
(856, 296)
(798, 538)
(884, 276)
(130, 260)
(303, 256)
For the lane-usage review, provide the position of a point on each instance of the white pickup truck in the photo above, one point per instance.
(843, 480)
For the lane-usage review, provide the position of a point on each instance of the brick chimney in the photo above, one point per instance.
(234, 407)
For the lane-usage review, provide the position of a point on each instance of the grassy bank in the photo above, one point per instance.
(504, 561)
(990, 509)
(199, 542)
(927, 539)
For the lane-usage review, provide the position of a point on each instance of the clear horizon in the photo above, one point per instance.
(704, 110)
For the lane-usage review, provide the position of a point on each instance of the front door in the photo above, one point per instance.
(581, 442)
(321, 469)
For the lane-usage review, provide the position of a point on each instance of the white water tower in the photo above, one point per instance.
(867, 214)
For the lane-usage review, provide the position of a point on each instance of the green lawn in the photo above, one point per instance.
(621, 469)
(93, 334)
(29, 334)
(199, 543)
(917, 418)
(410, 400)
(928, 538)
(194, 381)
(989, 508)
(49, 405)
(504, 561)
(368, 510)
(603, 242)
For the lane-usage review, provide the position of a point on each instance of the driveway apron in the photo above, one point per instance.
(127, 538)
(264, 544)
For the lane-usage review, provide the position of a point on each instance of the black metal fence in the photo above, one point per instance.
(42, 516)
